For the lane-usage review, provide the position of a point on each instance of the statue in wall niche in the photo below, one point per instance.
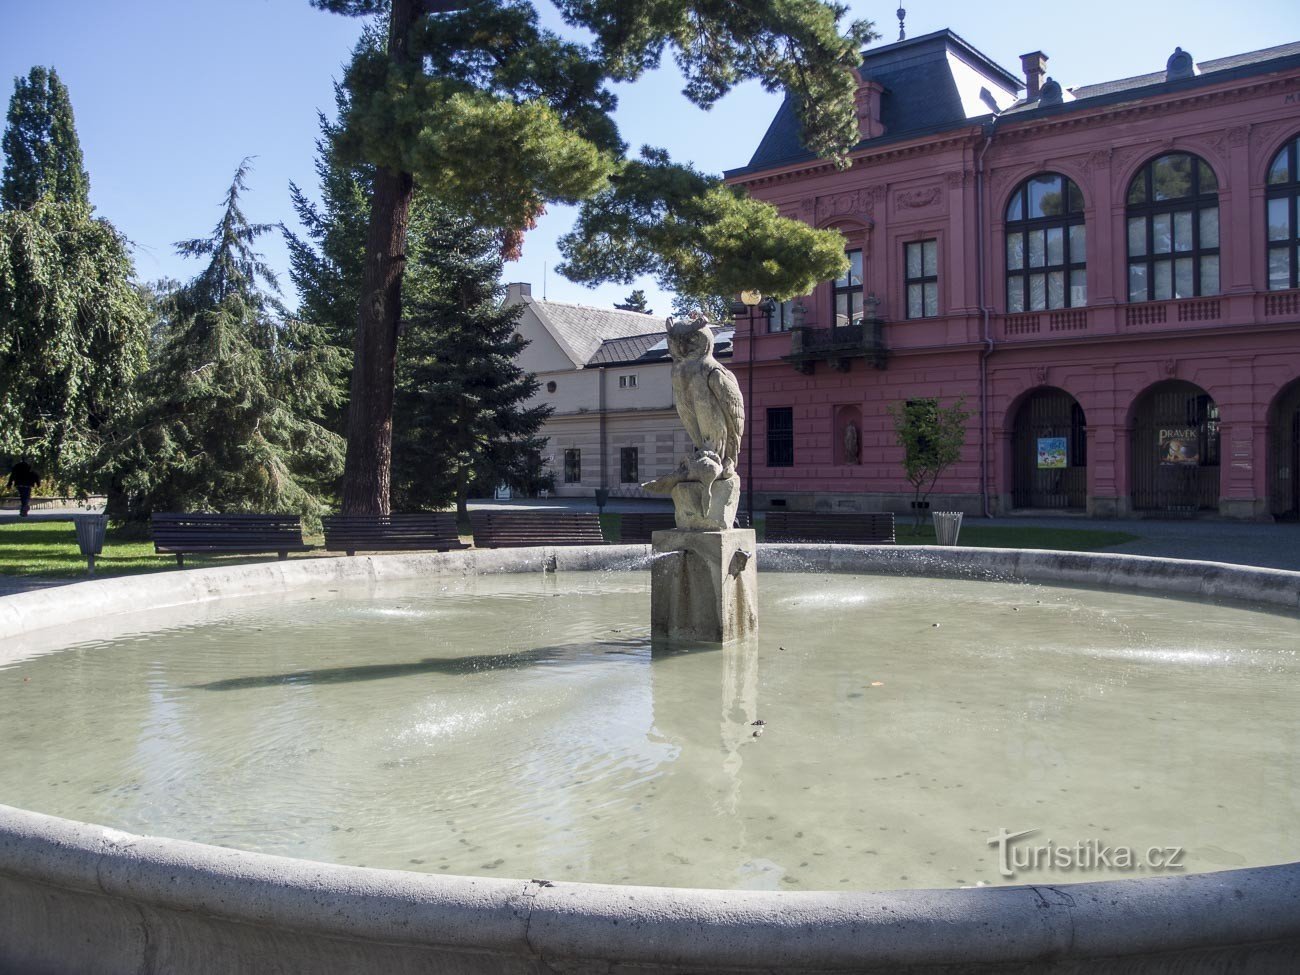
(705, 487)
(852, 444)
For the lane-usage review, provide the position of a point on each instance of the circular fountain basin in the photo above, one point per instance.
(469, 718)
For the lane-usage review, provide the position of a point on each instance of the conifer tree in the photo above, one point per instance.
(461, 417)
(73, 335)
(496, 117)
(230, 409)
(636, 301)
(41, 148)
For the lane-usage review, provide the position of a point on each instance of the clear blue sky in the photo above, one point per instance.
(170, 94)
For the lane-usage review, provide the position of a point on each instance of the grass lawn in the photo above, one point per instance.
(974, 535)
(1014, 536)
(49, 548)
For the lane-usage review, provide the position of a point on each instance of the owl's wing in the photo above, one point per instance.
(727, 398)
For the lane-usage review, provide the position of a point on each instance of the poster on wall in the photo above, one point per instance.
(1180, 446)
(1051, 453)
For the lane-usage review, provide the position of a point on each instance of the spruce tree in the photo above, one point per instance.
(74, 333)
(460, 418)
(230, 409)
(41, 148)
(494, 116)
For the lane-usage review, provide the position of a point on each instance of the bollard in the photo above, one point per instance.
(90, 537)
(947, 526)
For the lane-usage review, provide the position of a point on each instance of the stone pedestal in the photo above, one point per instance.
(704, 585)
(699, 510)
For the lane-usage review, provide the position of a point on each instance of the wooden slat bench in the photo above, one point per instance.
(202, 534)
(423, 532)
(521, 529)
(638, 526)
(871, 528)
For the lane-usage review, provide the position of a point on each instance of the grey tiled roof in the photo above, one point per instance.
(582, 329)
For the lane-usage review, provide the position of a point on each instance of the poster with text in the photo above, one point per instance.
(1180, 446)
(1051, 453)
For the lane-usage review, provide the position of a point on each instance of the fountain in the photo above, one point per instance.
(339, 765)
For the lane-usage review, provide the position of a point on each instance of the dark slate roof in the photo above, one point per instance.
(932, 94)
(1205, 68)
(625, 349)
(921, 93)
(650, 348)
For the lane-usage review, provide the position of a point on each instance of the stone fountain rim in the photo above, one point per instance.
(287, 899)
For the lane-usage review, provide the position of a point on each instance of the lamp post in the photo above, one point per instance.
(750, 300)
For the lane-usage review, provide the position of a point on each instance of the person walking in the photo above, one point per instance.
(23, 478)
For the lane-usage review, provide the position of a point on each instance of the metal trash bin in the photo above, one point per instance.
(947, 526)
(90, 537)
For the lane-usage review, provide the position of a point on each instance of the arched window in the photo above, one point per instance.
(1046, 245)
(1173, 229)
(1283, 218)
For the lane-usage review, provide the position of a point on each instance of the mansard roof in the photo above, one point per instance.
(931, 83)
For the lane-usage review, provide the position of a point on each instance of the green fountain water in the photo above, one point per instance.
(877, 733)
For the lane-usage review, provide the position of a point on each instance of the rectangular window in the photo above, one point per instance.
(627, 465)
(572, 466)
(627, 382)
(780, 436)
(921, 261)
(847, 292)
(782, 319)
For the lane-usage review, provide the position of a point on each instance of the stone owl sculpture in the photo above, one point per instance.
(706, 393)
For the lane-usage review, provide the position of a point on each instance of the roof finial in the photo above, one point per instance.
(902, 32)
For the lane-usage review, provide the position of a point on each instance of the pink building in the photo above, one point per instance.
(1107, 275)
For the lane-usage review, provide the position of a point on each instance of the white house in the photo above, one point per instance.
(607, 375)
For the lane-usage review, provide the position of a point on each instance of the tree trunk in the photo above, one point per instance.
(367, 469)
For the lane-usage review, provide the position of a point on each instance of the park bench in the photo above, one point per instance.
(424, 532)
(204, 534)
(871, 528)
(521, 529)
(638, 526)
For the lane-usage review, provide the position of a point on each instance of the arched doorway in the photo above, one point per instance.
(1284, 454)
(1049, 446)
(1175, 440)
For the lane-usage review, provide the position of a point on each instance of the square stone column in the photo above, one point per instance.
(704, 585)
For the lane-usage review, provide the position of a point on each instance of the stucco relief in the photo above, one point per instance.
(858, 204)
(1265, 140)
(919, 198)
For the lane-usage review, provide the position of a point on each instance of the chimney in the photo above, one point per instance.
(867, 100)
(1034, 65)
(517, 292)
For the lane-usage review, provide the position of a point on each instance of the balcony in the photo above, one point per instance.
(837, 346)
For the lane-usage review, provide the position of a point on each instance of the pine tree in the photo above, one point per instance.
(636, 301)
(460, 418)
(42, 152)
(229, 418)
(497, 117)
